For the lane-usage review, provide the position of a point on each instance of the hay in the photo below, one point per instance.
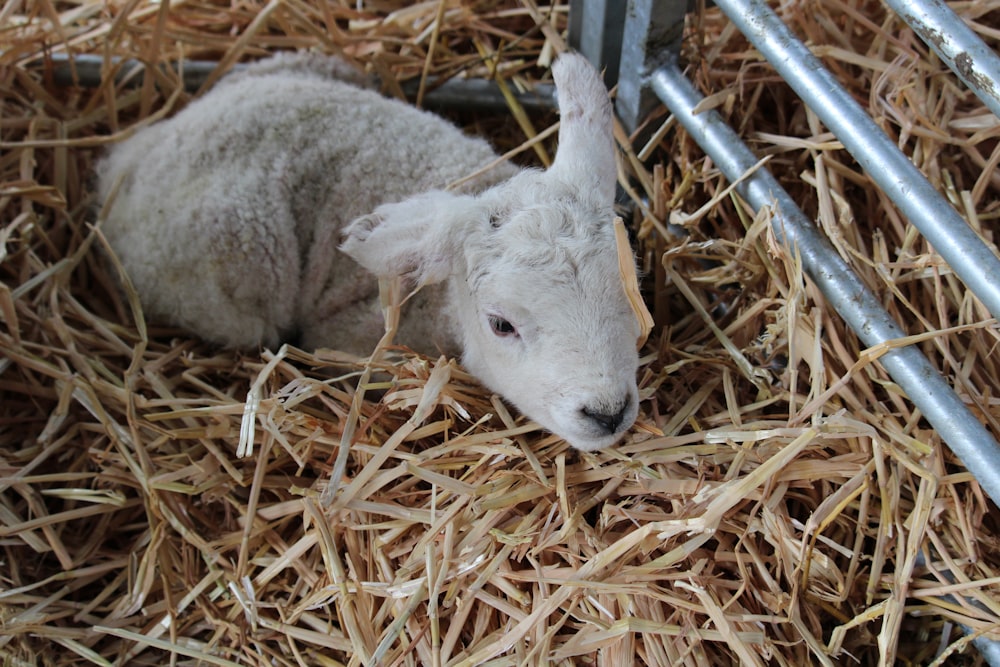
(778, 502)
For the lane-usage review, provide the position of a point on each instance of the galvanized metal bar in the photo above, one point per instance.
(951, 236)
(956, 44)
(480, 95)
(86, 70)
(595, 30)
(651, 38)
(988, 648)
(859, 307)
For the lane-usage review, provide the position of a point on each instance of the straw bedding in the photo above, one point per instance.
(779, 501)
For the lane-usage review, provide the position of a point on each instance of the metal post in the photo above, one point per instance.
(940, 224)
(859, 307)
(629, 40)
(652, 37)
(595, 30)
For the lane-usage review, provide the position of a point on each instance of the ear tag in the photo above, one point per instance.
(630, 282)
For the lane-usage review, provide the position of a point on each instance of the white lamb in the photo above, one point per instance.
(238, 219)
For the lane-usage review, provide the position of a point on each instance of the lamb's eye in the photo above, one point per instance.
(502, 327)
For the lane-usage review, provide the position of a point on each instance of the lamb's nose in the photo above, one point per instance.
(608, 421)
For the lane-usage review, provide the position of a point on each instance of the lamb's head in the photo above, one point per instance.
(533, 275)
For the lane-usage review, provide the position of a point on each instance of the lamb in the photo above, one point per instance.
(245, 217)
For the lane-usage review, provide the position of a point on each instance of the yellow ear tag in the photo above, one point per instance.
(626, 268)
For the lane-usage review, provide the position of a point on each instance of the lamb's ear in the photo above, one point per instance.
(413, 238)
(586, 153)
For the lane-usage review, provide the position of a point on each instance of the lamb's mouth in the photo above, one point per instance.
(588, 437)
(594, 444)
(587, 429)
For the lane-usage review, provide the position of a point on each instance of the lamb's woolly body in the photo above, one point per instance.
(229, 216)
(229, 213)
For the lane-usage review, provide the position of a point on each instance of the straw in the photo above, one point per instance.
(779, 500)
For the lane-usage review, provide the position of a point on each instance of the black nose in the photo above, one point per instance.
(608, 421)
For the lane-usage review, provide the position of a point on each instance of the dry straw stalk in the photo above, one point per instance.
(778, 502)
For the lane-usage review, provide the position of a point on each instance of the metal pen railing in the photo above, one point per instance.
(646, 77)
(649, 44)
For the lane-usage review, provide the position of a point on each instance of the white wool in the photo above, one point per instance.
(230, 215)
